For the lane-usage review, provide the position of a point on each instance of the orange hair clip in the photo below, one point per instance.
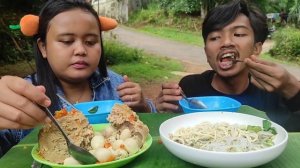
(29, 24)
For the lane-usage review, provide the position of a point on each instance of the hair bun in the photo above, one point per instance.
(107, 23)
(29, 25)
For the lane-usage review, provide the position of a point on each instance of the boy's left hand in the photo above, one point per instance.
(131, 94)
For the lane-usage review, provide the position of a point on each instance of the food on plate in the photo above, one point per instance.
(124, 136)
(52, 145)
(225, 137)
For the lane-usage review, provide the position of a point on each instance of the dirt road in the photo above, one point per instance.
(192, 56)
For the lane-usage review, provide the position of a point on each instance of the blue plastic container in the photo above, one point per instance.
(213, 103)
(100, 115)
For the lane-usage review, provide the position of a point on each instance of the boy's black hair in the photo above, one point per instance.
(45, 75)
(222, 15)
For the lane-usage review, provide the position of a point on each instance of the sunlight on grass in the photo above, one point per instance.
(267, 56)
(155, 21)
(174, 34)
(150, 69)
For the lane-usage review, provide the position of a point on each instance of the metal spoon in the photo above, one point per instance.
(236, 61)
(193, 103)
(67, 102)
(260, 83)
(80, 154)
(91, 110)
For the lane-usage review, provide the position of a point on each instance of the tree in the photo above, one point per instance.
(294, 14)
(13, 45)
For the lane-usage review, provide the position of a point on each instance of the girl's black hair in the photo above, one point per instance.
(222, 15)
(45, 75)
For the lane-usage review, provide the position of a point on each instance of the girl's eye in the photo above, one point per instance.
(90, 43)
(67, 42)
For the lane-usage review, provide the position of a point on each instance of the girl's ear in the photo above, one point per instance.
(257, 48)
(42, 47)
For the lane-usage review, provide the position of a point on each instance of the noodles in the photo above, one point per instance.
(224, 137)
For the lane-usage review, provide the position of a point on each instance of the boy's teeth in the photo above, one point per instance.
(228, 55)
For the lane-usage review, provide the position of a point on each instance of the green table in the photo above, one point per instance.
(157, 156)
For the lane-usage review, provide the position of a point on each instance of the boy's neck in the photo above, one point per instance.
(231, 85)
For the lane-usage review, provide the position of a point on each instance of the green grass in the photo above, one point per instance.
(174, 34)
(155, 21)
(268, 57)
(149, 69)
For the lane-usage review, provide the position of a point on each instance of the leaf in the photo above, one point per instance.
(93, 109)
(253, 128)
(273, 130)
(266, 125)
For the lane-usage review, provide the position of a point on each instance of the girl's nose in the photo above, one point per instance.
(80, 49)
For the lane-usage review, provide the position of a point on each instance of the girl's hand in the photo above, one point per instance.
(18, 103)
(131, 94)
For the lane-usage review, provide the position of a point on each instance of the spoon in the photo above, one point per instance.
(236, 61)
(91, 110)
(193, 103)
(67, 102)
(80, 154)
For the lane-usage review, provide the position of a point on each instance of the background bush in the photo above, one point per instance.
(14, 46)
(182, 6)
(287, 45)
(117, 53)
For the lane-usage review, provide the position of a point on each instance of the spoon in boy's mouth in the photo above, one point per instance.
(236, 60)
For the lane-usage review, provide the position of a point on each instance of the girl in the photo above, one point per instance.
(70, 61)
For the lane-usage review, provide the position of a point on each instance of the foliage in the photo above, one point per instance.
(138, 65)
(294, 15)
(13, 45)
(149, 69)
(156, 17)
(117, 53)
(182, 6)
(287, 45)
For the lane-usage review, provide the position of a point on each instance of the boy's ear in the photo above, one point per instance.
(42, 47)
(257, 48)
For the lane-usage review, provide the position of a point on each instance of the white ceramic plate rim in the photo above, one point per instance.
(199, 114)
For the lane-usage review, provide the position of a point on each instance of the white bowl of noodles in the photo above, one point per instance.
(206, 145)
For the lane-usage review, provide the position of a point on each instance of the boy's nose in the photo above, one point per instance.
(227, 42)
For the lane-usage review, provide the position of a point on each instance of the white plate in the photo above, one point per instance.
(221, 159)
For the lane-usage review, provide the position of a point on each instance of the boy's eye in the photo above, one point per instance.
(239, 34)
(214, 38)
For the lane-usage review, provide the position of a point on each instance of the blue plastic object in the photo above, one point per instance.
(213, 103)
(99, 116)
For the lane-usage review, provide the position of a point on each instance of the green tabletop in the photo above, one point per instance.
(157, 156)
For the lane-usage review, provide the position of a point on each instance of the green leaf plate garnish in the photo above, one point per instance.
(93, 109)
